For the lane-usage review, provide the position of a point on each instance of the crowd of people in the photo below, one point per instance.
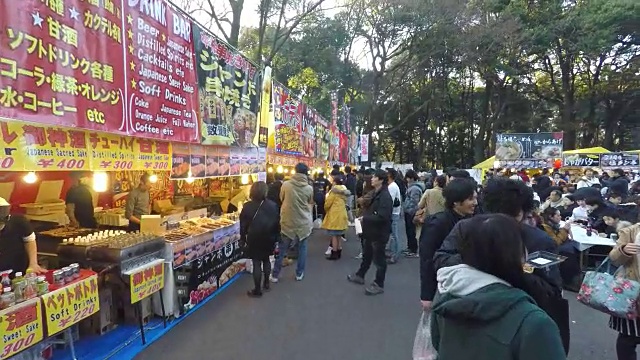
(472, 241)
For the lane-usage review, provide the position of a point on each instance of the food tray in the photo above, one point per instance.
(544, 259)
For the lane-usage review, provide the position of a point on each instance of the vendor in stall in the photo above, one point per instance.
(79, 202)
(18, 248)
(138, 203)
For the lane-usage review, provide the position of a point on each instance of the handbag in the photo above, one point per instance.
(418, 218)
(610, 293)
(246, 244)
(422, 347)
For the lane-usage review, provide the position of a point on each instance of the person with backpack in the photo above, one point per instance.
(414, 193)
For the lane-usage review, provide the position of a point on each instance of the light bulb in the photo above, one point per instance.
(189, 180)
(153, 178)
(244, 179)
(270, 169)
(100, 181)
(30, 177)
(279, 169)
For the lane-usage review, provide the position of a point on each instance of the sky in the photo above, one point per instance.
(250, 17)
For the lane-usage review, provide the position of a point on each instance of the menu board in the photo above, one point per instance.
(322, 138)
(180, 161)
(308, 130)
(530, 150)
(619, 160)
(581, 160)
(61, 63)
(161, 81)
(287, 122)
(229, 86)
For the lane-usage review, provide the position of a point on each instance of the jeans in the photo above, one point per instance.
(412, 242)
(283, 246)
(394, 242)
(373, 251)
(257, 273)
(626, 346)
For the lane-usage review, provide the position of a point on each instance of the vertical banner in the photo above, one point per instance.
(287, 136)
(161, 81)
(364, 147)
(344, 148)
(334, 109)
(354, 145)
(61, 63)
(266, 109)
(322, 138)
(334, 145)
(228, 86)
(308, 127)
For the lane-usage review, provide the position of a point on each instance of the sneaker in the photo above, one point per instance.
(352, 224)
(328, 252)
(392, 261)
(359, 256)
(300, 277)
(344, 238)
(254, 293)
(265, 286)
(273, 279)
(411, 255)
(405, 251)
(373, 289)
(356, 279)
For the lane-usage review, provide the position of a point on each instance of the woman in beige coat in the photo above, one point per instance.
(626, 253)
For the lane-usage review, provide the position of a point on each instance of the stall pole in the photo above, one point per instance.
(139, 308)
(69, 334)
(164, 316)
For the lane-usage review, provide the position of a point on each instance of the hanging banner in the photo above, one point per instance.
(619, 160)
(198, 160)
(228, 85)
(287, 129)
(308, 130)
(334, 109)
(334, 145)
(364, 147)
(180, 161)
(344, 148)
(266, 110)
(529, 150)
(322, 138)
(110, 152)
(160, 77)
(354, 146)
(581, 160)
(61, 64)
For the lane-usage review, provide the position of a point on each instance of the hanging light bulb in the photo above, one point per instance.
(279, 169)
(244, 179)
(189, 178)
(30, 177)
(153, 178)
(100, 182)
(270, 169)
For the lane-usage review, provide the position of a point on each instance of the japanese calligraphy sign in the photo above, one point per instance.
(229, 88)
(581, 160)
(50, 73)
(287, 122)
(20, 327)
(531, 150)
(70, 304)
(364, 147)
(146, 281)
(323, 138)
(620, 160)
(161, 81)
(110, 152)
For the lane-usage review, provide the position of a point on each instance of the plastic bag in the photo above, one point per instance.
(422, 347)
(317, 223)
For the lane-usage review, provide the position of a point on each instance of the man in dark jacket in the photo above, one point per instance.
(514, 198)
(619, 183)
(273, 193)
(350, 183)
(376, 226)
(460, 201)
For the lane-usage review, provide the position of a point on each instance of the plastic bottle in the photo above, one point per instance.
(589, 229)
(7, 299)
(6, 281)
(18, 284)
(31, 285)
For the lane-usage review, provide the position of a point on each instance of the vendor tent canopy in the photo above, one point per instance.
(488, 164)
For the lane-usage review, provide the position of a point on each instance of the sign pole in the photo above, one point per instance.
(139, 308)
(164, 316)
(69, 334)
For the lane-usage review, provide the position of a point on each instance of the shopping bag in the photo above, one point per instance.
(317, 223)
(358, 225)
(610, 293)
(422, 347)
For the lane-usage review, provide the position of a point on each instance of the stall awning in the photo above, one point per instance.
(488, 164)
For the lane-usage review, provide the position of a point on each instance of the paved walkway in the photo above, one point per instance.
(325, 317)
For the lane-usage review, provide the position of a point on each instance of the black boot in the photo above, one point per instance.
(265, 286)
(333, 256)
(339, 253)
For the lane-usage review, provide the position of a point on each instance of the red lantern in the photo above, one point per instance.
(557, 164)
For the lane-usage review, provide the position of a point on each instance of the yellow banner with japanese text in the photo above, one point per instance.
(20, 327)
(70, 304)
(147, 281)
(36, 147)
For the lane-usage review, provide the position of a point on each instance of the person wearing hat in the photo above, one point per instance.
(79, 202)
(18, 248)
(296, 221)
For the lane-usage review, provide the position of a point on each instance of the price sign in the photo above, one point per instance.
(21, 327)
(70, 304)
(581, 160)
(146, 280)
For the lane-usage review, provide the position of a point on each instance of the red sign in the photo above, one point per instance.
(344, 148)
(61, 63)
(161, 78)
